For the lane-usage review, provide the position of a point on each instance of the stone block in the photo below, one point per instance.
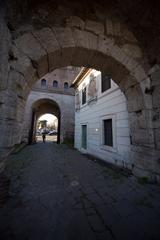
(93, 26)
(145, 162)
(117, 28)
(155, 78)
(5, 44)
(109, 27)
(135, 99)
(29, 45)
(145, 84)
(64, 37)
(67, 45)
(156, 117)
(105, 44)
(139, 73)
(129, 62)
(85, 43)
(142, 137)
(85, 39)
(132, 50)
(127, 82)
(143, 119)
(147, 95)
(24, 66)
(128, 35)
(47, 38)
(113, 27)
(15, 81)
(157, 138)
(156, 96)
(154, 69)
(75, 21)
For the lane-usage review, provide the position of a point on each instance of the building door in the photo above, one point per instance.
(84, 136)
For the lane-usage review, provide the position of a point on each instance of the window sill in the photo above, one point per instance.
(84, 105)
(92, 99)
(107, 92)
(108, 148)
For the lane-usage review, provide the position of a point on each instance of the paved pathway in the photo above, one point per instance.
(57, 193)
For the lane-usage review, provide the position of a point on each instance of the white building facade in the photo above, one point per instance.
(101, 118)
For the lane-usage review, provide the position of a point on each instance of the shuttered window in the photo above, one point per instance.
(107, 132)
(105, 82)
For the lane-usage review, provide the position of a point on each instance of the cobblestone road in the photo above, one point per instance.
(57, 193)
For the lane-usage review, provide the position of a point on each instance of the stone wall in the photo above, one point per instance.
(6, 94)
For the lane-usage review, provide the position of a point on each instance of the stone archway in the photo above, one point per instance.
(91, 44)
(39, 108)
(59, 105)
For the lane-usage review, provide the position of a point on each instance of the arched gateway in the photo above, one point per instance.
(39, 108)
(110, 48)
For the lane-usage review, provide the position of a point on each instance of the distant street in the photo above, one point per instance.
(48, 138)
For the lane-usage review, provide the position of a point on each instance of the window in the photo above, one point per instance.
(55, 84)
(84, 95)
(107, 132)
(84, 136)
(77, 100)
(66, 85)
(43, 82)
(92, 90)
(105, 82)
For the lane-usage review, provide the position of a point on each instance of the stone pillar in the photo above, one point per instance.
(12, 112)
(144, 125)
(5, 43)
(155, 91)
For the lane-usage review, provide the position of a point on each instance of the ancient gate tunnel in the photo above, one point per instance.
(44, 42)
(39, 108)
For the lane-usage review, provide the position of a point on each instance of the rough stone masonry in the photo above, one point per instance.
(122, 38)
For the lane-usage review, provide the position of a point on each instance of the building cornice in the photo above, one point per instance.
(82, 74)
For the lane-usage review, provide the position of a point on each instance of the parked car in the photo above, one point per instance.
(54, 132)
(45, 131)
